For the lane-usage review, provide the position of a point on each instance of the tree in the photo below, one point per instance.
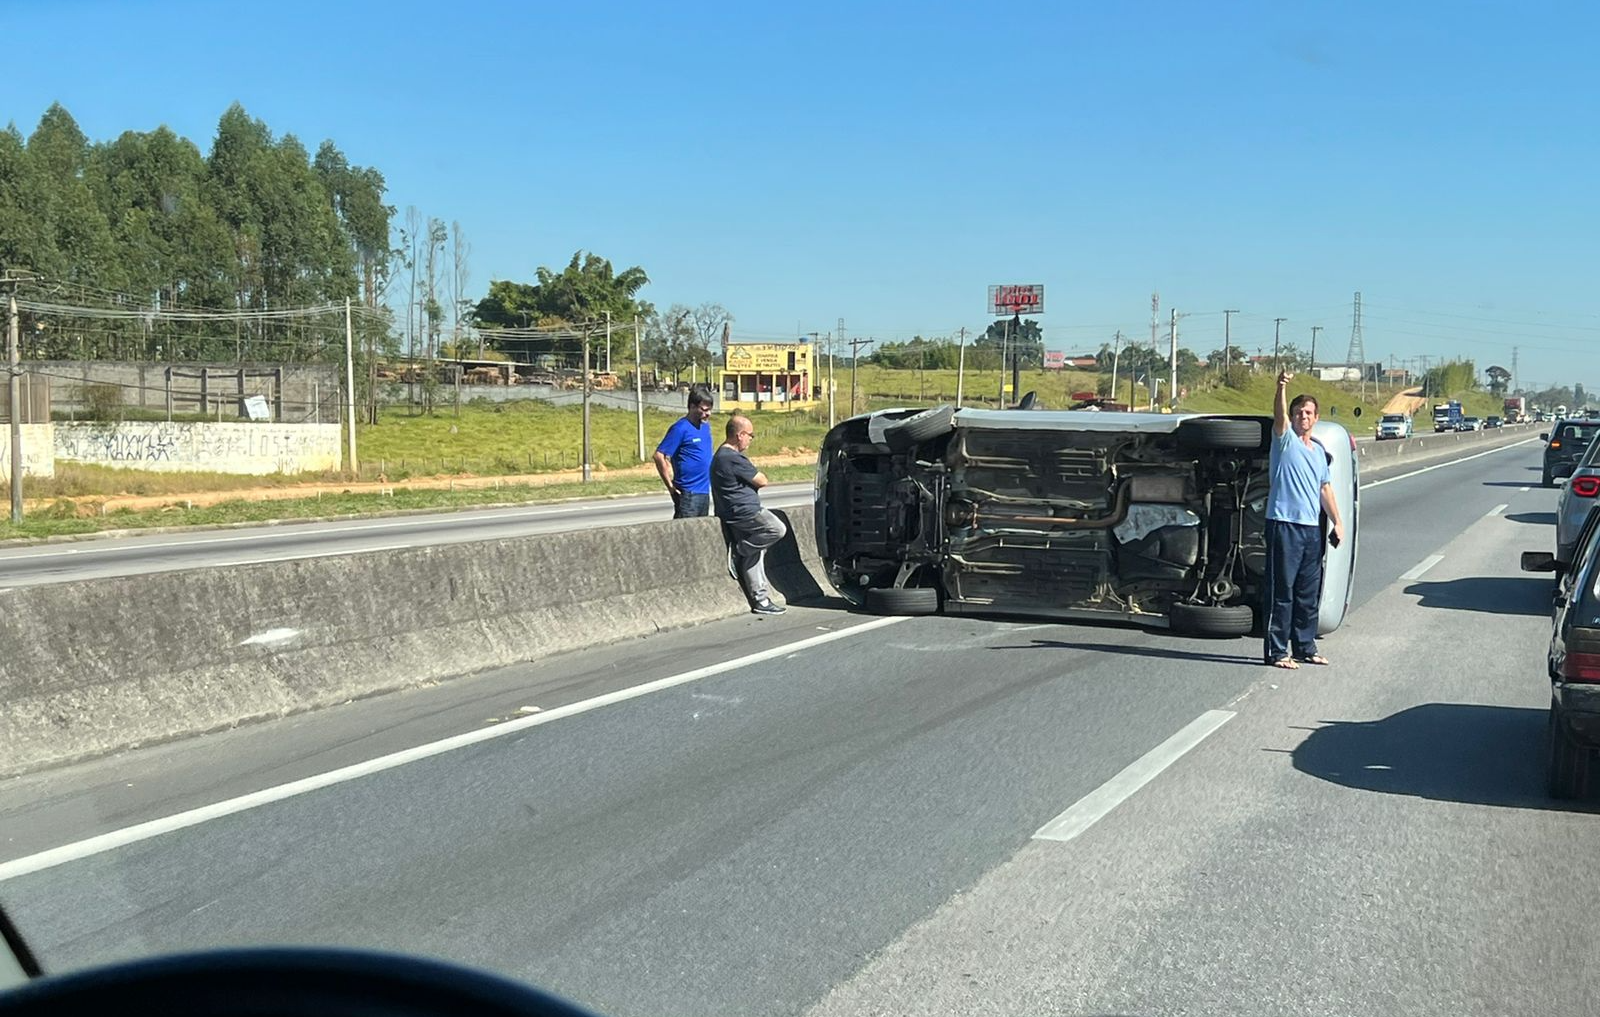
(1498, 378)
(1024, 339)
(672, 342)
(710, 321)
(1580, 398)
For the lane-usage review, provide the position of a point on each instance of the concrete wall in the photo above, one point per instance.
(1394, 453)
(619, 399)
(38, 451)
(254, 449)
(105, 665)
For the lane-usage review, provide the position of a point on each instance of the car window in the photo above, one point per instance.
(1577, 434)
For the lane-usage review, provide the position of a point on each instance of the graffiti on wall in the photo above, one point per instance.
(209, 447)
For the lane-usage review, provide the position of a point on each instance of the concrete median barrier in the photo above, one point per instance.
(100, 666)
(1381, 456)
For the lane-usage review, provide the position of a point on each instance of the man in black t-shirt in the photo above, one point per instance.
(734, 483)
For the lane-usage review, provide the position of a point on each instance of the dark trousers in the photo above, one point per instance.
(689, 505)
(1294, 583)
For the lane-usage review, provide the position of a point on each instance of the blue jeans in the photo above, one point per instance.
(1294, 585)
(689, 505)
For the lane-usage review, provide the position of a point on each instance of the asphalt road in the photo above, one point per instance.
(854, 826)
(161, 552)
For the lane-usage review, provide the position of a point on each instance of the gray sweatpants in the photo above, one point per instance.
(752, 537)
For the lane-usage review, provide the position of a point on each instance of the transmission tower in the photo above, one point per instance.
(1357, 357)
(1513, 369)
(1155, 311)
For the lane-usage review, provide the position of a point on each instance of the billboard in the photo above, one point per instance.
(1016, 299)
(1054, 360)
(769, 357)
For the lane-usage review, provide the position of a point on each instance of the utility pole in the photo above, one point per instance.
(585, 402)
(608, 342)
(349, 384)
(1005, 339)
(1172, 385)
(1116, 355)
(1277, 325)
(1314, 330)
(15, 356)
(961, 365)
(830, 376)
(1227, 341)
(638, 385)
(855, 356)
(1514, 351)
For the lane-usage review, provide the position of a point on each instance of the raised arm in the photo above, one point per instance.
(1280, 404)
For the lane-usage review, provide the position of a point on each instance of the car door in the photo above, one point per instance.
(1339, 563)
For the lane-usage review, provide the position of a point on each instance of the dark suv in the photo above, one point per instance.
(1564, 446)
(1573, 663)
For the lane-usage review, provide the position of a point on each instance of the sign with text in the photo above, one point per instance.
(1054, 360)
(769, 357)
(1016, 299)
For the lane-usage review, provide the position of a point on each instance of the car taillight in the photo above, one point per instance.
(1352, 443)
(1585, 487)
(1555, 444)
(1581, 667)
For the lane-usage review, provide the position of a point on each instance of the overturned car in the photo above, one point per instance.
(1156, 519)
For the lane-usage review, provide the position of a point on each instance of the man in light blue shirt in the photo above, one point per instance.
(1299, 492)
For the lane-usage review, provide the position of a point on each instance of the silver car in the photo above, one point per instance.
(1394, 425)
(1150, 518)
(1579, 494)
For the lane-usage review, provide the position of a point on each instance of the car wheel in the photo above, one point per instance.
(1205, 620)
(1569, 760)
(1212, 432)
(918, 428)
(909, 600)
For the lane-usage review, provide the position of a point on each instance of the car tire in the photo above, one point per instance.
(918, 428)
(1545, 480)
(1213, 432)
(1205, 620)
(910, 600)
(1570, 762)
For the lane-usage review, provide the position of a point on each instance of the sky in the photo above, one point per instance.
(886, 163)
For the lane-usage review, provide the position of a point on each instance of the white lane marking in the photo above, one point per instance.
(270, 637)
(1440, 466)
(1498, 509)
(194, 817)
(1094, 806)
(1524, 490)
(279, 533)
(1416, 571)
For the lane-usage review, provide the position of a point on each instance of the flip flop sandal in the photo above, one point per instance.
(1287, 663)
(1315, 658)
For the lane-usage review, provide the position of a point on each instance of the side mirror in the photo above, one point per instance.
(1544, 435)
(1538, 561)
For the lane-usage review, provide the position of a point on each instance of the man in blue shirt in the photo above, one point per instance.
(1298, 492)
(684, 459)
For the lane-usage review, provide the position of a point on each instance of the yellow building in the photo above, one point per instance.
(768, 376)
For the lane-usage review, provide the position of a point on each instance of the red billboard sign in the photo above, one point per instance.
(1054, 360)
(1016, 299)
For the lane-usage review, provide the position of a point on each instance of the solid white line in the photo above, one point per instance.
(1416, 571)
(1451, 462)
(1091, 808)
(1498, 509)
(1524, 490)
(194, 817)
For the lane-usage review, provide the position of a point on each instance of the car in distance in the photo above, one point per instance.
(1493, 422)
(1394, 425)
(1150, 518)
(1470, 424)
